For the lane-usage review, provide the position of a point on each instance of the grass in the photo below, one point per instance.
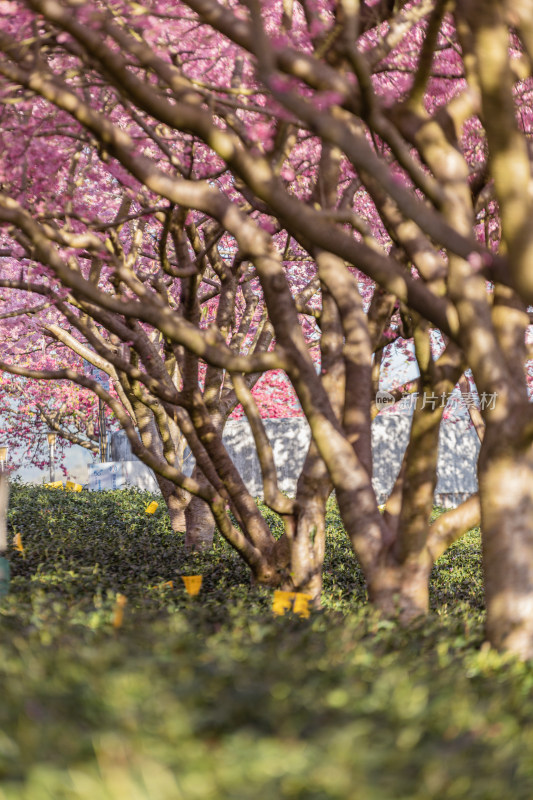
(213, 697)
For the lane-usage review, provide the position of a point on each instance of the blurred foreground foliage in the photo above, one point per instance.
(213, 697)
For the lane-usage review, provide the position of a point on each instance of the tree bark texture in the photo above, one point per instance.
(199, 524)
(176, 501)
(307, 539)
(506, 489)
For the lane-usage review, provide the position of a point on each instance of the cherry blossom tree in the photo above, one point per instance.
(170, 167)
(76, 337)
(31, 409)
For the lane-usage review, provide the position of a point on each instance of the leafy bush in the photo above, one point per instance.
(213, 697)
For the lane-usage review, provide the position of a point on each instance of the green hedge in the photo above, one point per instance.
(213, 697)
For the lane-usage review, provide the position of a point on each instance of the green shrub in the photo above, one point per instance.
(213, 697)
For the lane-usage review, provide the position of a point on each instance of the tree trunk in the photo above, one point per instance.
(306, 550)
(4, 502)
(4, 563)
(176, 500)
(506, 493)
(307, 533)
(199, 526)
(401, 590)
(199, 523)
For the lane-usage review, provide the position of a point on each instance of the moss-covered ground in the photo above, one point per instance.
(214, 697)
